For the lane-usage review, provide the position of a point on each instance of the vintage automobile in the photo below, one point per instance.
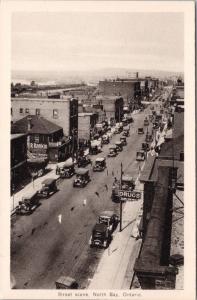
(126, 130)
(118, 145)
(82, 177)
(123, 140)
(101, 236)
(109, 218)
(130, 119)
(96, 136)
(140, 130)
(125, 121)
(49, 187)
(105, 139)
(66, 282)
(145, 147)
(140, 155)
(118, 128)
(66, 169)
(28, 204)
(128, 183)
(146, 122)
(95, 147)
(149, 138)
(83, 161)
(112, 151)
(100, 164)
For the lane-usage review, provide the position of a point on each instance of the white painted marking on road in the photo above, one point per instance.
(60, 219)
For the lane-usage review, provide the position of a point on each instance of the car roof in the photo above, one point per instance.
(65, 164)
(29, 195)
(81, 171)
(106, 213)
(140, 151)
(127, 178)
(66, 280)
(112, 147)
(100, 159)
(48, 181)
(118, 142)
(101, 227)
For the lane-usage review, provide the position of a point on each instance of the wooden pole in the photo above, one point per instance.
(120, 200)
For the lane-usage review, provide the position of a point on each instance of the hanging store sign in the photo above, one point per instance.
(129, 195)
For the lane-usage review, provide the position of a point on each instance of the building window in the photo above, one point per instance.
(21, 110)
(26, 110)
(55, 113)
(11, 111)
(37, 111)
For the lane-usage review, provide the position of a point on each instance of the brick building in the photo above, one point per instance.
(112, 106)
(127, 88)
(18, 157)
(62, 112)
(86, 122)
(44, 139)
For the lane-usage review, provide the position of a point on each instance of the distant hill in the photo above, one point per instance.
(87, 76)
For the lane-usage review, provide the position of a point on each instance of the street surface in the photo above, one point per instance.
(53, 241)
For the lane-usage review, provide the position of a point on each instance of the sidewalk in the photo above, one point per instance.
(33, 186)
(115, 270)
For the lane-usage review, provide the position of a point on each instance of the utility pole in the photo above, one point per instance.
(120, 200)
(73, 144)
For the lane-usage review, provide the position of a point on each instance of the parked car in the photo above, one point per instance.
(112, 151)
(149, 138)
(140, 155)
(49, 187)
(140, 130)
(123, 140)
(65, 169)
(105, 139)
(145, 147)
(100, 164)
(82, 177)
(118, 145)
(83, 161)
(28, 204)
(128, 183)
(109, 218)
(66, 282)
(101, 236)
(126, 131)
(96, 147)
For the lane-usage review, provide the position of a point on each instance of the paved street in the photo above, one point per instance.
(42, 248)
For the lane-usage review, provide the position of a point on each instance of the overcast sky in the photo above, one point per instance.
(86, 41)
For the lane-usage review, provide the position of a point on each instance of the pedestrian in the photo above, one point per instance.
(112, 173)
(84, 202)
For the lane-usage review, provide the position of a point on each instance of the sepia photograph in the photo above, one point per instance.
(98, 180)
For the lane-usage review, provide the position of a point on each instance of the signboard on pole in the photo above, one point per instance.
(129, 195)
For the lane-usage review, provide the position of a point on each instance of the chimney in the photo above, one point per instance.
(29, 124)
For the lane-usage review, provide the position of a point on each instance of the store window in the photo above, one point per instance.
(55, 113)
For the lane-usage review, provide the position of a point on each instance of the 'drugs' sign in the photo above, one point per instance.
(129, 195)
